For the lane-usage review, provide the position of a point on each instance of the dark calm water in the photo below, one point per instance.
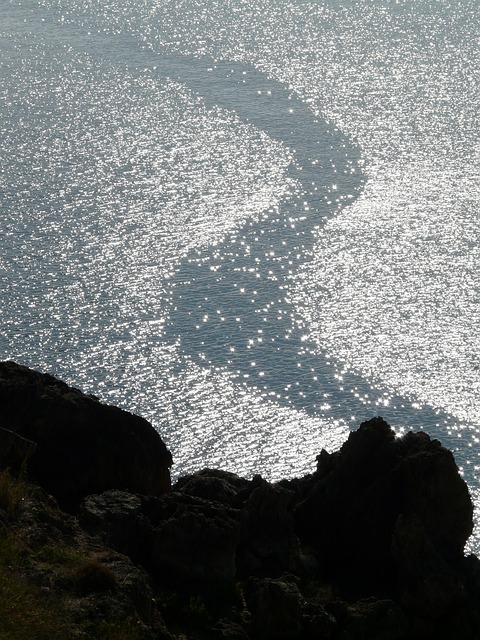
(254, 223)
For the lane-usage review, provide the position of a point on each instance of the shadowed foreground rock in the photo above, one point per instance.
(376, 503)
(82, 445)
(369, 547)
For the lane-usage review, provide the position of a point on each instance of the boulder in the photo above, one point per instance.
(82, 445)
(276, 606)
(377, 505)
(213, 484)
(193, 544)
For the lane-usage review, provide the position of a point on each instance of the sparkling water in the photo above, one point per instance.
(254, 223)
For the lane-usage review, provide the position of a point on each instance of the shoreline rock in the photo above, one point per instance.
(81, 445)
(369, 546)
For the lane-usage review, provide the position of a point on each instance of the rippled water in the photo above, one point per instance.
(253, 222)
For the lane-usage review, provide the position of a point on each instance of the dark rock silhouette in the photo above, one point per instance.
(379, 530)
(380, 499)
(368, 547)
(82, 445)
(276, 606)
(189, 543)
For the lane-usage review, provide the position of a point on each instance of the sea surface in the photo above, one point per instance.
(253, 222)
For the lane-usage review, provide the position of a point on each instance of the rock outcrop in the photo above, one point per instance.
(378, 500)
(368, 547)
(82, 446)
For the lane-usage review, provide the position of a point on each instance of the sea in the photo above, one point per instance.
(253, 222)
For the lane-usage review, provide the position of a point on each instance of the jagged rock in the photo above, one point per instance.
(213, 484)
(471, 569)
(373, 619)
(375, 535)
(187, 542)
(440, 598)
(116, 518)
(428, 584)
(133, 582)
(83, 446)
(41, 522)
(195, 547)
(269, 546)
(350, 516)
(276, 607)
(317, 622)
(89, 583)
(226, 629)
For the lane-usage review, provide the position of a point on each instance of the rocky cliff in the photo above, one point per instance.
(369, 546)
(80, 446)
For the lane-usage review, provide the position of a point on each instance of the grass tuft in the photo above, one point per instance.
(24, 614)
(91, 576)
(12, 492)
(40, 583)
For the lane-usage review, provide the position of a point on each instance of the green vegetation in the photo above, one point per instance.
(91, 576)
(12, 492)
(184, 615)
(25, 612)
(39, 585)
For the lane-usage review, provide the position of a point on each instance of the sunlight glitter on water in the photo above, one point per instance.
(412, 321)
(389, 288)
(118, 195)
